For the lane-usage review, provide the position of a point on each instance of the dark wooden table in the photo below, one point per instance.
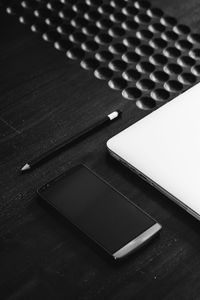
(45, 97)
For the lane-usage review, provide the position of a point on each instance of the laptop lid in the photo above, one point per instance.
(165, 147)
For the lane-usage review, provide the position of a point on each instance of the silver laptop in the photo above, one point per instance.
(164, 148)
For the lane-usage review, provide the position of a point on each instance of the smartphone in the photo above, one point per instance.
(100, 211)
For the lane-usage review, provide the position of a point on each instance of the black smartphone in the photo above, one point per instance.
(100, 211)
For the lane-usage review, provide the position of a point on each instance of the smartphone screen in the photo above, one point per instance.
(99, 211)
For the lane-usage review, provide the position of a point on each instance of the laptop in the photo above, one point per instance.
(164, 149)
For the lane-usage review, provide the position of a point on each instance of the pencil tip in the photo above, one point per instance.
(25, 167)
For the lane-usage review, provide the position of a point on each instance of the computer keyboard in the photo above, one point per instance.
(135, 48)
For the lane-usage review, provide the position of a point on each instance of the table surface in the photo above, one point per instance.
(45, 97)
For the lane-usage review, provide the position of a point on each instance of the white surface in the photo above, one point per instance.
(165, 147)
(113, 115)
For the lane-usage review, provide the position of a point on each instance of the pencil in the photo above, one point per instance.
(54, 150)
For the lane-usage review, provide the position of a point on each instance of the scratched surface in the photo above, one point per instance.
(45, 97)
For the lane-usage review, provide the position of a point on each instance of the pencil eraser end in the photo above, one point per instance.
(113, 115)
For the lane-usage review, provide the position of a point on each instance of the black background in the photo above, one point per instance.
(45, 97)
